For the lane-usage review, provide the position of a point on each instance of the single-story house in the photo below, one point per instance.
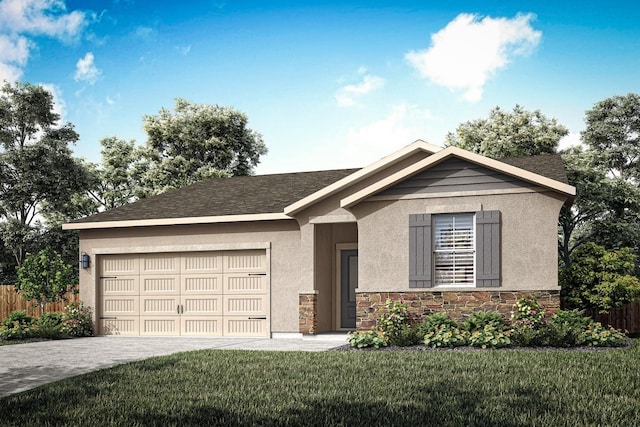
(313, 252)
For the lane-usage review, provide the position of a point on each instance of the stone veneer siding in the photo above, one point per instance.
(458, 304)
(308, 313)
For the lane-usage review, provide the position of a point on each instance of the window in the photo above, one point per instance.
(453, 249)
(457, 249)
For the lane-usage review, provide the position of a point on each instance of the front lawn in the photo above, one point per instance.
(404, 388)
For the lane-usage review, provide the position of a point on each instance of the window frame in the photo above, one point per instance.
(438, 250)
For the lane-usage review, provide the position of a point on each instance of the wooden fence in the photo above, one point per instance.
(10, 300)
(625, 318)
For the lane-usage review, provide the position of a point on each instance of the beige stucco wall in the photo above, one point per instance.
(528, 238)
(283, 238)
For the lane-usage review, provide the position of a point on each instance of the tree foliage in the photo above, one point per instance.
(38, 173)
(196, 142)
(599, 280)
(44, 277)
(613, 134)
(509, 134)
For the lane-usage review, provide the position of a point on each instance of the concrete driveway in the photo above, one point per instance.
(26, 366)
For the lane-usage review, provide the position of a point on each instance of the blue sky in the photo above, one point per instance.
(328, 84)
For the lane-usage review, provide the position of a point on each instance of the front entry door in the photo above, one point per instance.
(348, 284)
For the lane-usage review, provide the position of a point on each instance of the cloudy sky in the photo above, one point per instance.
(329, 84)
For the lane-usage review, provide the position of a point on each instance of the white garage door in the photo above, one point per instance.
(192, 293)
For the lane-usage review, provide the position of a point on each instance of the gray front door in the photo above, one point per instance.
(348, 284)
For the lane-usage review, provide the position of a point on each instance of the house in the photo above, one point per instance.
(311, 252)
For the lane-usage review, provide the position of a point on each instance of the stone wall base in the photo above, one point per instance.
(308, 313)
(457, 304)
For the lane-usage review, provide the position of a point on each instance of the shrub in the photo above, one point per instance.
(597, 335)
(489, 337)
(392, 322)
(406, 336)
(565, 328)
(49, 325)
(445, 335)
(17, 325)
(527, 335)
(433, 321)
(528, 312)
(77, 320)
(480, 319)
(373, 338)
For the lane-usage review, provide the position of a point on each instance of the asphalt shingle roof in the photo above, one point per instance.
(266, 193)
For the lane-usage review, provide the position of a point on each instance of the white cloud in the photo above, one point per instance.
(571, 140)
(470, 50)
(403, 125)
(346, 95)
(86, 69)
(184, 50)
(20, 20)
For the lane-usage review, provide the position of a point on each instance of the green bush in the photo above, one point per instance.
(17, 325)
(405, 336)
(480, 319)
(373, 338)
(433, 321)
(597, 335)
(446, 335)
(49, 325)
(566, 327)
(393, 321)
(528, 335)
(77, 321)
(489, 337)
(528, 312)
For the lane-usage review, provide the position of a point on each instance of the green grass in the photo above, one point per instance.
(404, 388)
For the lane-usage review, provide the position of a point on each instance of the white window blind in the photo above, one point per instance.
(454, 249)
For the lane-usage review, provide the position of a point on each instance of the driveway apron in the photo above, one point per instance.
(26, 366)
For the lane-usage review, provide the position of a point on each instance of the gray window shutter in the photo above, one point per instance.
(487, 249)
(420, 251)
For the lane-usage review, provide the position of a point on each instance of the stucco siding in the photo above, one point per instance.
(281, 237)
(528, 238)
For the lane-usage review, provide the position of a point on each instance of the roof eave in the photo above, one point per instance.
(175, 221)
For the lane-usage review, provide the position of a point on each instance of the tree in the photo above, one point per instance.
(114, 182)
(196, 142)
(599, 280)
(44, 277)
(37, 171)
(504, 134)
(613, 133)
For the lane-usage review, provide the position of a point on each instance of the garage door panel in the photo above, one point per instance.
(245, 261)
(207, 284)
(160, 264)
(120, 285)
(159, 305)
(200, 305)
(160, 284)
(122, 325)
(120, 265)
(244, 327)
(245, 283)
(202, 262)
(202, 325)
(160, 325)
(245, 305)
(120, 305)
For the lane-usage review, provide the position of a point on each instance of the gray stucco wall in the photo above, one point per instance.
(528, 238)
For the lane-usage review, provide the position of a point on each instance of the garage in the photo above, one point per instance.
(215, 293)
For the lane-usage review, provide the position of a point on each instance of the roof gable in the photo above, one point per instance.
(453, 152)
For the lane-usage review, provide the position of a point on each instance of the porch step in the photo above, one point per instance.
(327, 336)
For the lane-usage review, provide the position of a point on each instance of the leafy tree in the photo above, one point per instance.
(613, 133)
(509, 134)
(599, 280)
(38, 173)
(196, 142)
(44, 277)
